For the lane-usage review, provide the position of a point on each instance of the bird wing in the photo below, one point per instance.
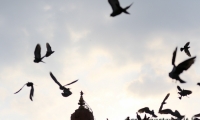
(37, 51)
(52, 76)
(19, 89)
(174, 57)
(48, 47)
(188, 92)
(185, 65)
(166, 97)
(179, 88)
(145, 109)
(197, 115)
(31, 93)
(71, 83)
(187, 52)
(187, 44)
(114, 4)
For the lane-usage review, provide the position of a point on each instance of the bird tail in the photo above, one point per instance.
(126, 8)
(181, 49)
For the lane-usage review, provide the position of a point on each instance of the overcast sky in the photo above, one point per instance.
(122, 63)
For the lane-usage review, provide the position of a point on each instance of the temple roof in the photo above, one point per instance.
(83, 112)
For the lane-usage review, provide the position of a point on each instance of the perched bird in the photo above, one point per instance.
(117, 9)
(169, 111)
(49, 51)
(29, 84)
(185, 48)
(66, 91)
(146, 110)
(183, 92)
(177, 70)
(37, 53)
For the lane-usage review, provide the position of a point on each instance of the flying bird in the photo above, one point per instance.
(183, 92)
(29, 84)
(37, 53)
(146, 110)
(169, 111)
(66, 91)
(117, 9)
(49, 51)
(185, 48)
(177, 70)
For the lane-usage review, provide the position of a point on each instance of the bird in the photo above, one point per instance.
(29, 84)
(37, 53)
(198, 84)
(185, 48)
(66, 91)
(169, 111)
(146, 110)
(117, 9)
(183, 92)
(177, 70)
(49, 51)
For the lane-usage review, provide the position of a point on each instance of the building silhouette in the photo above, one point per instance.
(84, 112)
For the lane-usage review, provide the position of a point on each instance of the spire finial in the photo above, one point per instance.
(81, 101)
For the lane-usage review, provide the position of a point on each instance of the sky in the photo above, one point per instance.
(122, 62)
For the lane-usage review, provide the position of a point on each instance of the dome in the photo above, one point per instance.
(83, 112)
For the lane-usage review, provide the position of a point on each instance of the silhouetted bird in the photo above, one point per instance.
(169, 111)
(66, 91)
(177, 70)
(49, 51)
(37, 53)
(185, 48)
(117, 9)
(198, 84)
(146, 110)
(183, 92)
(29, 84)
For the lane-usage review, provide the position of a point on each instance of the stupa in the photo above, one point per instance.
(84, 112)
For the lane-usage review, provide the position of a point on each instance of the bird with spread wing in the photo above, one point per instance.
(147, 110)
(117, 9)
(66, 91)
(29, 84)
(177, 70)
(185, 48)
(183, 92)
(169, 111)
